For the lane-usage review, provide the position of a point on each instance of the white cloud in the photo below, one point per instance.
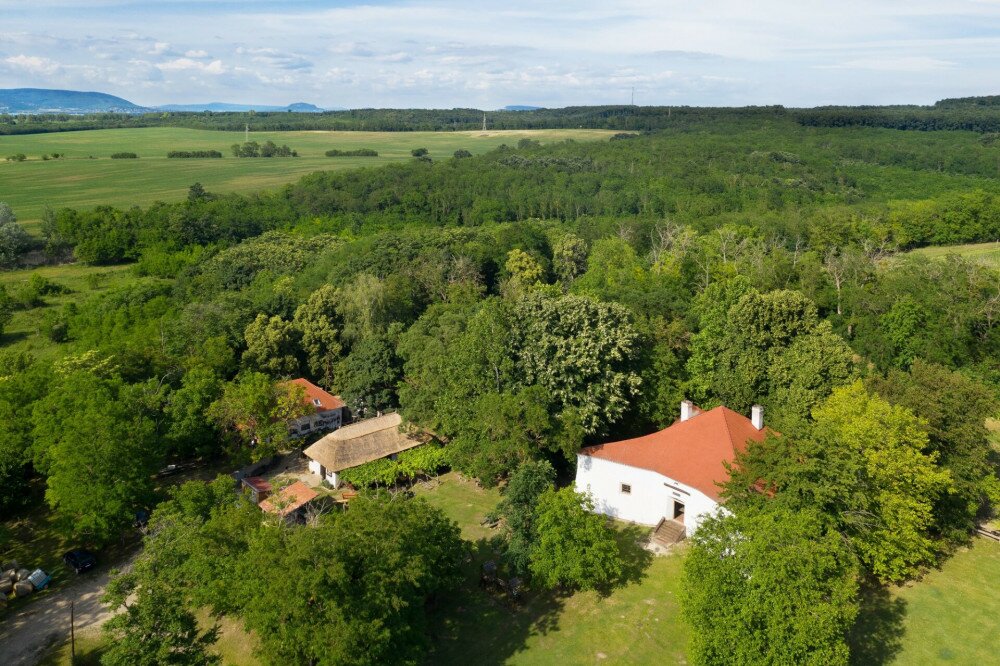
(196, 53)
(187, 64)
(33, 64)
(906, 64)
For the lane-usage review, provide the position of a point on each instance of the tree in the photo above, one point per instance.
(774, 586)
(95, 445)
(462, 153)
(154, 628)
(524, 270)
(13, 238)
(861, 463)
(196, 193)
(581, 351)
(517, 509)
(955, 408)
(255, 412)
(316, 321)
(363, 307)
(369, 375)
(419, 152)
(272, 343)
(191, 430)
(6, 308)
(569, 258)
(575, 547)
(367, 574)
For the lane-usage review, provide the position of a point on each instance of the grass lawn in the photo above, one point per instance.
(637, 624)
(80, 280)
(985, 253)
(87, 176)
(952, 616)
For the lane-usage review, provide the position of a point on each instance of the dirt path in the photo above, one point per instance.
(26, 634)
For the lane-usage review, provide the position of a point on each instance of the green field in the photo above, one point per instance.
(985, 253)
(79, 181)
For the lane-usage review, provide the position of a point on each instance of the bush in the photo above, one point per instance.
(268, 149)
(462, 153)
(188, 154)
(124, 156)
(419, 152)
(17, 157)
(359, 152)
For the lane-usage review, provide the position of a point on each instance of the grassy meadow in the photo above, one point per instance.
(88, 177)
(80, 282)
(984, 253)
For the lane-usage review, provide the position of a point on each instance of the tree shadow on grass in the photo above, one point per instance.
(473, 625)
(632, 540)
(876, 637)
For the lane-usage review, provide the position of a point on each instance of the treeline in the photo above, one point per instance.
(972, 118)
(267, 149)
(187, 154)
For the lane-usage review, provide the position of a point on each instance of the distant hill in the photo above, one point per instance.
(223, 107)
(40, 100)
(522, 107)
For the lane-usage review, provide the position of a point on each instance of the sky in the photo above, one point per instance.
(445, 53)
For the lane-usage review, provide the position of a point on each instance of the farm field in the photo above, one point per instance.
(984, 253)
(79, 181)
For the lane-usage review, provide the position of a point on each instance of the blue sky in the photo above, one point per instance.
(443, 53)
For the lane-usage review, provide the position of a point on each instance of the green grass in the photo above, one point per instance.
(81, 281)
(985, 253)
(639, 623)
(79, 181)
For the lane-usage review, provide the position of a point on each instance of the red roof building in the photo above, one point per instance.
(289, 500)
(672, 474)
(317, 397)
(329, 411)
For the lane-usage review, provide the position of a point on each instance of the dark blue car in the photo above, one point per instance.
(80, 560)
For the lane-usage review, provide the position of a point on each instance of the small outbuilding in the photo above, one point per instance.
(290, 502)
(357, 444)
(258, 487)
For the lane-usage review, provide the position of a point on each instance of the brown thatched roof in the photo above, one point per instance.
(362, 442)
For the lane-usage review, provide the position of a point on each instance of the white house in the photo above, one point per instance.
(328, 411)
(357, 444)
(672, 476)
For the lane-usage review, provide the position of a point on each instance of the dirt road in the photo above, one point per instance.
(27, 633)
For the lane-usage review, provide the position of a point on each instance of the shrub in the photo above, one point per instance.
(124, 156)
(359, 152)
(17, 157)
(188, 154)
(462, 153)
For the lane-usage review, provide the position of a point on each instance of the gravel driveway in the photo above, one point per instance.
(27, 633)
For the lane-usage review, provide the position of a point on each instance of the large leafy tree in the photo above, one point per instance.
(575, 547)
(770, 348)
(517, 509)
(368, 376)
(955, 408)
(863, 464)
(317, 323)
(771, 586)
(95, 444)
(154, 627)
(272, 345)
(13, 238)
(254, 412)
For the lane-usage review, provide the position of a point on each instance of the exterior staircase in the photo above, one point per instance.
(668, 532)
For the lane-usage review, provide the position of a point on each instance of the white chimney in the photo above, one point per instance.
(687, 410)
(757, 417)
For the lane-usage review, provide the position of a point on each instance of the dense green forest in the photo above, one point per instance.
(520, 305)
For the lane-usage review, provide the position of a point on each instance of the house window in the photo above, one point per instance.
(626, 489)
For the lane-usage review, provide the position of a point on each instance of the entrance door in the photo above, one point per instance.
(678, 511)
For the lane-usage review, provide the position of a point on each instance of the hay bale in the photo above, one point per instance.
(23, 588)
(22, 574)
(6, 586)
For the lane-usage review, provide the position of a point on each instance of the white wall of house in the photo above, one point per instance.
(651, 497)
(318, 422)
(324, 474)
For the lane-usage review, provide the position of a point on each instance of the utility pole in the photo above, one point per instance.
(633, 95)
(484, 121)
(72, 633)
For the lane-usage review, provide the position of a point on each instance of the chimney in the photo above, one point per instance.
(757, 417)
(687, 410)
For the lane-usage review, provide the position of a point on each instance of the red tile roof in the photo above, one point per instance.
(290, 499)
(693, 452)
(258, 484)
(313, 393)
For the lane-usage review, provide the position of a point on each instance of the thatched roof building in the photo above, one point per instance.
(360, 443)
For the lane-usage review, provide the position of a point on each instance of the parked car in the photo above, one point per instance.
(80, 560)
